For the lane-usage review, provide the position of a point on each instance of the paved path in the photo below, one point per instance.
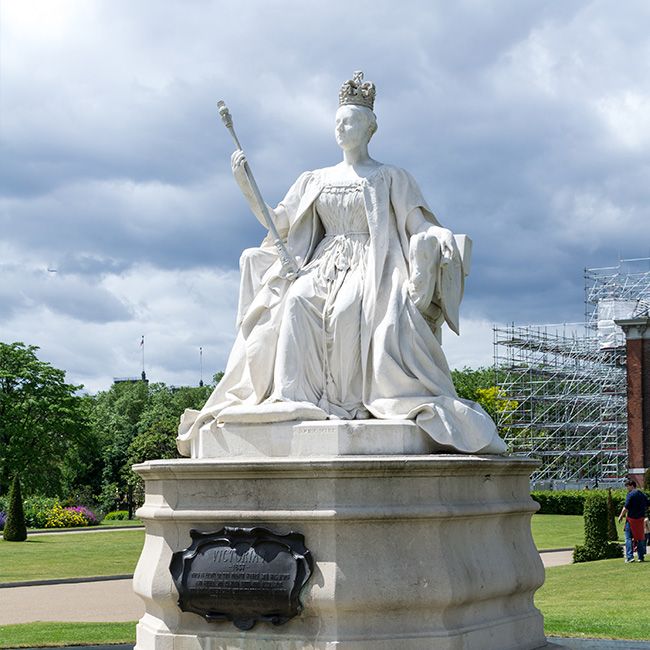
(94, 602)
(104, 601)
(556, 558)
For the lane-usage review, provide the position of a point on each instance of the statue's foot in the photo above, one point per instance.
(272, 412)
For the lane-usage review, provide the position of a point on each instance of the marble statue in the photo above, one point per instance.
(355, 334)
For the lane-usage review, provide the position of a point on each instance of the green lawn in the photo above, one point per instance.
(557, 531)
(121, 522)
(32, 635)
(71, 555)
(603, 599)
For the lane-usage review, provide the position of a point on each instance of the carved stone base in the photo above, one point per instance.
(311, 439)
(411, 552)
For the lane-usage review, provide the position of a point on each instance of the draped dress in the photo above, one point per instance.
(319, 344)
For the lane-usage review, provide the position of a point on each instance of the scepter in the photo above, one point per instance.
(289, 264)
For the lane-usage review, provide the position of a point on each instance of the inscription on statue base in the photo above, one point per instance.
(243, 575)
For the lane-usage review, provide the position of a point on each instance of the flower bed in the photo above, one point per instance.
(46, 512)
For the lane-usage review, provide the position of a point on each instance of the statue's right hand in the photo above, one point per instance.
(238, 165)
(237, 160)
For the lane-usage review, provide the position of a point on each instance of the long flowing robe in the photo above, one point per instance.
(404, 372)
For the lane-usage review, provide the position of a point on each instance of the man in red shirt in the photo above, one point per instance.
(634, 510)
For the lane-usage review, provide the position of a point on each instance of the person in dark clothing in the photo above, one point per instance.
(634, 511)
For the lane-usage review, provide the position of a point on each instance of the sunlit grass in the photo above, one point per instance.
(71, 555)
(603, 599)
(32, 635)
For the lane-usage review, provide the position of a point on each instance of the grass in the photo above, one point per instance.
(72, 555)
(30, 635)
(605, 599)
(557, 531)
(121, 522)
(560, 531)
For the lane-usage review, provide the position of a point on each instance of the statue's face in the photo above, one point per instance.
(352, 127)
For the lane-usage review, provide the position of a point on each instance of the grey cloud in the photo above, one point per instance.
(511, 116)
(23, 289)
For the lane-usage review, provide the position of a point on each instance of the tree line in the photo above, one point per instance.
(80, 448)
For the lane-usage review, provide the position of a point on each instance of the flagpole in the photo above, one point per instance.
(201, 365)
(144, 376)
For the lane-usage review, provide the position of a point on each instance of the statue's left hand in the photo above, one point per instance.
(446, 239)
(425, 253)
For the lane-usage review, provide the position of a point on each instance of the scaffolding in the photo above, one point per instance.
(566, 384)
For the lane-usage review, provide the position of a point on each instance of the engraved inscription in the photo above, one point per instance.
(243, 575)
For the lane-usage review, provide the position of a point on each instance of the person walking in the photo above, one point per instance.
(634, 511)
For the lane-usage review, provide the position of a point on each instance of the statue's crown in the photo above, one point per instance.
(357, 91)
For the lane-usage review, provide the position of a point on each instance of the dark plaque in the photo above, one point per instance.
(243, 575)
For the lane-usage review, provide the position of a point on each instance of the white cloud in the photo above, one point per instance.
(627, 118)
(177, 311)
(474, 346)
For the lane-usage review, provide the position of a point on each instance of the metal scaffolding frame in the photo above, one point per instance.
(566, 384)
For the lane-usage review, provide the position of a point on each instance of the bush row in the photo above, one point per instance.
(117, 515)
(571, 502)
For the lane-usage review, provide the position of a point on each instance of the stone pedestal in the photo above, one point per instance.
(411, 550)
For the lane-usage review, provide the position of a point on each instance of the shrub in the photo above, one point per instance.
(3, 518)
(37, 510)
(560, 502)
(571, 502)
(60, 517)
(596, 546)
(15, 529)
(90, 517)
(612, 531)
(117, 515)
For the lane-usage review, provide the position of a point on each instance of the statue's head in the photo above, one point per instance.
(355, 121)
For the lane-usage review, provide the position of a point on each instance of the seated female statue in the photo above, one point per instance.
(356, 334)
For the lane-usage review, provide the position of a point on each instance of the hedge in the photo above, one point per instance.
(117, 515)
(571, 502)
(597, 545)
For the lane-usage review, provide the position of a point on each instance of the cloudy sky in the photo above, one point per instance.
(527, 125)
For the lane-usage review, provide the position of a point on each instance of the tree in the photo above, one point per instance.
(468, 380)
(41, 420)
(139, 422)
(479, 385)
(15, 528)
(114, 418)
